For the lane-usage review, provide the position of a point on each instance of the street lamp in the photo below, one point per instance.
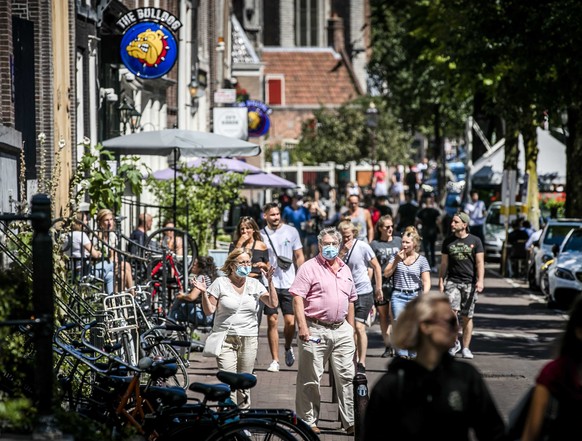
(372, 123)
(129, 116)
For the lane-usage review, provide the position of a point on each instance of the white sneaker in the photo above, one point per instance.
(455, 348)
(274, 366)
(289, 357)
(467, 353)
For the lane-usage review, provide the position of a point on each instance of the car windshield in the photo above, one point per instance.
(556, 233)
(574, 242)
(493, 216)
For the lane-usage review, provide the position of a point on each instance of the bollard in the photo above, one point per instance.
(361, 397)
(44, 310)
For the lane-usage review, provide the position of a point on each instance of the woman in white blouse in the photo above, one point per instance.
(234, 300)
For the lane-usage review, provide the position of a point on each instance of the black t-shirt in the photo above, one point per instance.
(428, 217)
(422, 403)
(324, 188)
(462, 267)
(257, 256)
(406, 215)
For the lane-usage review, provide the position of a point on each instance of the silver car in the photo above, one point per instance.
(565, 274)
(553, 233)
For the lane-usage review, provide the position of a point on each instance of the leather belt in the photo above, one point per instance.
(330, 325)
(407, 291)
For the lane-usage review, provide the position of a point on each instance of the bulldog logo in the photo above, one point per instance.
(149, 47)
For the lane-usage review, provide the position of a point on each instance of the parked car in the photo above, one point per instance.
(553, 233)
(565, 274)
(494, 230)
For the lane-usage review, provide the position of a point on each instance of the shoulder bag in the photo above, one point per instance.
(282, 262)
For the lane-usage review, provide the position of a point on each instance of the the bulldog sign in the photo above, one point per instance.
(149, 45)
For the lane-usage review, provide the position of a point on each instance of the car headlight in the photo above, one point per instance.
(563, 273)
(546, 257)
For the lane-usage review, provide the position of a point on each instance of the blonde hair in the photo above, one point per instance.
(405, 331)
(348, 225)
(231, 259)
(101, 215)
(412, 233)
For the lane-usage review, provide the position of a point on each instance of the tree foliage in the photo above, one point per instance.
(104, 185)
(341, 135)
(510, 60)
(203, 194)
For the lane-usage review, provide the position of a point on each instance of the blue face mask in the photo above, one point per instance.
(243, 271)
(329, 252)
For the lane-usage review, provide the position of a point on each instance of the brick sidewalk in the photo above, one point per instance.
(277, 389)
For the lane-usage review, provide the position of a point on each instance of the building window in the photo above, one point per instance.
(306, 22)
(275, 93)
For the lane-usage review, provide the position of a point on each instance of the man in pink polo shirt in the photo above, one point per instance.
(323, 300)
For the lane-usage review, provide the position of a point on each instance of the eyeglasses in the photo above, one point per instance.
(245, 263)
(452, 322)
(325, 244)
(387, 226)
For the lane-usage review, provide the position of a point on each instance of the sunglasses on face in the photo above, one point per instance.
(452, 322)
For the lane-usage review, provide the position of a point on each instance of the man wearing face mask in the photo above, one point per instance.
(323, 300)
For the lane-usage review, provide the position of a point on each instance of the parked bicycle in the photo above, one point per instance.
(113, 393)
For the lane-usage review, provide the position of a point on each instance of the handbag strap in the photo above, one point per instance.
(351, 251)
(271, 242)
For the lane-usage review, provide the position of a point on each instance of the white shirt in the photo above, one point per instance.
(285, 239)
(477, 212)
(237, 312)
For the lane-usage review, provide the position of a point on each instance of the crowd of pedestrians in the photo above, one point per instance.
(332, 261)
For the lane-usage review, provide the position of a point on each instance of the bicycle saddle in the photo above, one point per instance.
(168, 396)
(236, 380)
(211, 392)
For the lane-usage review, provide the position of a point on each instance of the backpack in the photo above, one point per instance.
(518, 416)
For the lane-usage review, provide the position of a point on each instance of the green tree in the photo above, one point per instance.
(514, 59)
(203, 194)
(341, 135)
(101, 183)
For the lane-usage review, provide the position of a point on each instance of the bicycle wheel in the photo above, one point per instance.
(155, 243)
(251, 430)
(180, 378)
(243, 430)
(287, 419)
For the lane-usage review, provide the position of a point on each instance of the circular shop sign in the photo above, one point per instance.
(149, 50)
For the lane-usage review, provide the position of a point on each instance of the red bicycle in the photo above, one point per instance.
(166, 269)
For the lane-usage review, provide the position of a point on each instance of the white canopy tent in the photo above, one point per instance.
(487, 171)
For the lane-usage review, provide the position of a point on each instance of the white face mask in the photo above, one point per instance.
(300, 203)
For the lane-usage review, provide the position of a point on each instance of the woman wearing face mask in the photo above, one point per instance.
(411, 273)
(234, 300)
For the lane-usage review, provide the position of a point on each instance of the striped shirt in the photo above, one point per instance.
(409, 277)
